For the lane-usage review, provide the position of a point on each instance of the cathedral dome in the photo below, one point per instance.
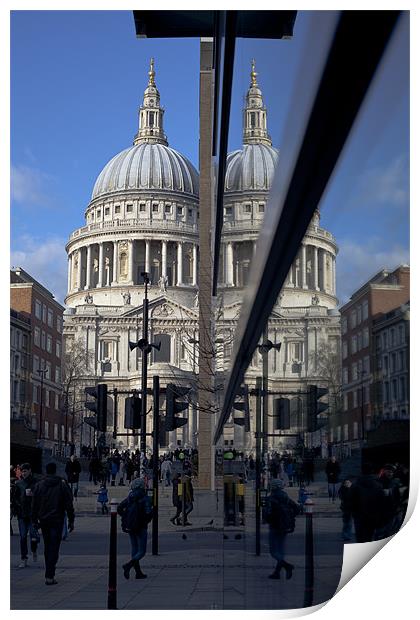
(147, 166)
(150, 164)
(251, 168)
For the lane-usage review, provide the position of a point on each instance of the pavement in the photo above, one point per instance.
(204, 566)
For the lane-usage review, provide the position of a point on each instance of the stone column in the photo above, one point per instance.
(303, 266)
(147, 256)
(229, 264)
(179, 264)
(316, 275)
(79, 269)
(194, 265)
(254, 248)
(164, 268)
(333, 276)
(324, 270)
(130, 261)
(88, 266)
(291, 276)
(69, 270)
(115, 264)
(100, 265)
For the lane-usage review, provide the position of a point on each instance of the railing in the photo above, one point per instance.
(129, 224)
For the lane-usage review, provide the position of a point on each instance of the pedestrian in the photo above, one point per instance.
(13, 509)
(115, 466)
(94, 469)
(176, 498)
(344, 493)
(332, 470)
(103, 499)
(280, 513)
(136, 512)
(189, 497)
(23, 507)
(51, 502)
(391, 502)
(166, 469)
(73, 469)
(366, 500)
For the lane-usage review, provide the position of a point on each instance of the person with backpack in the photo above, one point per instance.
(280, 513)
(136, 512)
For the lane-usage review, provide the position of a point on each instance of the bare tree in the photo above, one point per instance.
(326, 363)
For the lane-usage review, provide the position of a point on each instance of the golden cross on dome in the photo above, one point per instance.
(253, 74)
(152, 72)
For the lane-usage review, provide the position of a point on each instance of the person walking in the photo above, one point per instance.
(73, 469)
(51, 501)
(136, 512)
(94, 469)
(332, 470)
(176, 499)
(166, 469)
(23, 507)
(189, 497)
(280, 513)
(366, 500)
(344, 493)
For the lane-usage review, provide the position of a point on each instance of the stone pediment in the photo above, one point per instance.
(163, 308)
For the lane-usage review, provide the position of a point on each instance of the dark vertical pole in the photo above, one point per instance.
(155, 523)
(41, 372)
(258, 468)
(115, 413)
(112, 570)
(144, 353)
(184, 518)
(265, 401)
(66, 404)
(309, 555)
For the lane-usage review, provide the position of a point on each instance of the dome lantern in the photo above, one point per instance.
(255, 114)
(151, 114)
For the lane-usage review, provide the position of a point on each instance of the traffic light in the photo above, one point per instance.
(314, 407)
(173, 392)
(132, 413)
(243, 406)
(98, 406)
(281, 414)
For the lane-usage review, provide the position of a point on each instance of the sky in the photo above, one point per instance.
(77, 80)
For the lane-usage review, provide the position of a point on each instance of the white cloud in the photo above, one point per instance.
(44, 260)
(387, 185)
(30, 186)
(357, 263)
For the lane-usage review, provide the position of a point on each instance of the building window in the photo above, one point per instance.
(35, 394)
(180, 211)
(365, 337)
(355, 399)
(365, 310)
(164, 355)
(37, 337)
(392, 337)
(345, 375)
(366, 365)
(155, 207)
(24, 342)
(401, 334)
(353, 318)
(50, 318)
(247, 208)
(35, 365)
(49, 343)
(43, 340)
(345, 432)
(338, 431)
(98, 214)
(401, 356)
(393, 362)
(228, 210)
(56, 432)
(38, 309)
(107, 349)
(359, 341)
(355, 430)
(47, 398)
(344, 325)
(354, 344)
(117, 209)
(359, 314)
(384, 340)
(59, 324)
(354, 373)
(168, 208)
(58, 349)
(63, 433)
(295, 352)
(142, 207)
(44, 313)
(129, 208)
(261, 207)
(46, 429)
(190, 212)
(386, 392)
(57, 401)
(48, 369)
(345, 401)
(57, 374)
(394, 390)
(345, 349)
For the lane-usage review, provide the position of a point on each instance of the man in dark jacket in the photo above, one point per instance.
(73, 469)
(366, 500)
(332, 470)
(51, 500)
(23, 503)
(176, 499)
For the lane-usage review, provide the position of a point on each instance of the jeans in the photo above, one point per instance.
(347, 526)
(332, 490)
(138, 544)
(277, 544)
(25, 528)
(51, 533)
(74, 486)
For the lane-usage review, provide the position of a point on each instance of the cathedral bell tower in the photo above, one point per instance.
(255, 114)
(151, 114)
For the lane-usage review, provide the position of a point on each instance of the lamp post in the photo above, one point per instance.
(264, 349)
(42, 372)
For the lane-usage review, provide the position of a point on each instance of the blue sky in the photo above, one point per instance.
(77, 80)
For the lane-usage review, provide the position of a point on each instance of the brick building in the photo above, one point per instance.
(33, 302)
(382, 294)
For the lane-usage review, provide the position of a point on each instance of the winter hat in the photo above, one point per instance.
(277, 483)
(138, 483)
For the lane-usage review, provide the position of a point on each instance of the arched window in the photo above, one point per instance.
(123, 264)
(296, 413)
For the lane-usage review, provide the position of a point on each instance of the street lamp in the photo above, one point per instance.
(42, 372)
(264, 349)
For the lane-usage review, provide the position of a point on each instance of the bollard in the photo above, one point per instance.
(309, 554)
(112, 574)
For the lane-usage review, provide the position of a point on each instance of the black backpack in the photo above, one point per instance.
(280, 514)
(135, 514)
